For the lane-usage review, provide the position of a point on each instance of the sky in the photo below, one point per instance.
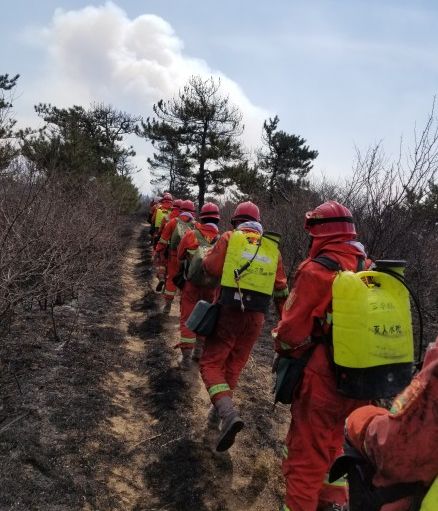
(340, 73)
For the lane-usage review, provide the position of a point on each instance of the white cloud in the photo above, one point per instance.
(99, 54)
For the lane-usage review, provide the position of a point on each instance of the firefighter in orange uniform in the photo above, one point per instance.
(198, 285)
(402, 443)
(248, 264)
(168, 242)
(162, 259)
(315, 435)
(162, 210)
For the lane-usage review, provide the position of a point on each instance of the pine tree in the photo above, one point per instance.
(285, 159)
(170, 167)
(7, 123)
(205, 127)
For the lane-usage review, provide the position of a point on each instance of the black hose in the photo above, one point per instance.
(417, 305)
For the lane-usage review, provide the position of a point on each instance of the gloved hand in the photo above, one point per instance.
(282, 349)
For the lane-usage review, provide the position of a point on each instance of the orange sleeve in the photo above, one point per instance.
(165, 236)
(215, 258)
(357, 424)
(307, 302)
(280, 286)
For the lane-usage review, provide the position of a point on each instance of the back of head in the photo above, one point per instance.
(209, 213)
(330, 219)
(245, 212)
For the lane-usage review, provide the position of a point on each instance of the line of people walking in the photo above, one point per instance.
(319, 363)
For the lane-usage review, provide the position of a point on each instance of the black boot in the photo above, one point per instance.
(231, 423)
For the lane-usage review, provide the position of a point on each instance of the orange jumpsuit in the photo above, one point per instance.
(171, 260)
(315, 436)
(402, 443)
(192, 293)
(227, 350)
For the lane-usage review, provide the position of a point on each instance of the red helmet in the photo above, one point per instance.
(246, 211)
(329, 219)
(177, 204)
(167, 197)
(187, 205)
(209, 210)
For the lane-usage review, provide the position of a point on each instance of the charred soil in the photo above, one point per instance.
(103, 419)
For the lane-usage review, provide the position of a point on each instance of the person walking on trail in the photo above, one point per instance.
(315, 435)
(152, 207)
(163, 209)
(167, 246)
(248, 262)
(401, 444)
(198, 285)
(161, 259)
(174, 213)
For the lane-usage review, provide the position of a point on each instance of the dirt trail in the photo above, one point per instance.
(111, 422)
(181, 470)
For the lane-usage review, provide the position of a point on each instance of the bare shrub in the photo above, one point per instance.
(55, 238)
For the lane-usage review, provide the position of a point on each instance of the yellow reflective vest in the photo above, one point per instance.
(159, 215)
(257, 256)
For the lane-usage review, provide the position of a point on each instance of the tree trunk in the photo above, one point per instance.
(201, 185)
(201, 176)
(271, 186)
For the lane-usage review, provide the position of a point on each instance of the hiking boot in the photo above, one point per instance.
(160, 286)
(213, 418)
(230, 427)
(231, 423)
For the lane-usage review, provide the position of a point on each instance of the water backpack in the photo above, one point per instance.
(195, 272)
(179, 231)
(251, 262)
(371, 331)
(430, 500)
(159, 215)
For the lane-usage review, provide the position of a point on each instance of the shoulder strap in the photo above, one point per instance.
(328, 263)
(335, 266)
(360, 264)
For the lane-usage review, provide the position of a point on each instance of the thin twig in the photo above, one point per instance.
(171, 441)
(13, 421)
(143, 441)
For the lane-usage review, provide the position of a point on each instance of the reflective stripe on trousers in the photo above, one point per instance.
(220, 387)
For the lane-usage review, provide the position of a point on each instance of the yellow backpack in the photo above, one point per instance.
(371, 333)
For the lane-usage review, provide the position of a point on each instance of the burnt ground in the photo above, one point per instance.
(103, 419)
